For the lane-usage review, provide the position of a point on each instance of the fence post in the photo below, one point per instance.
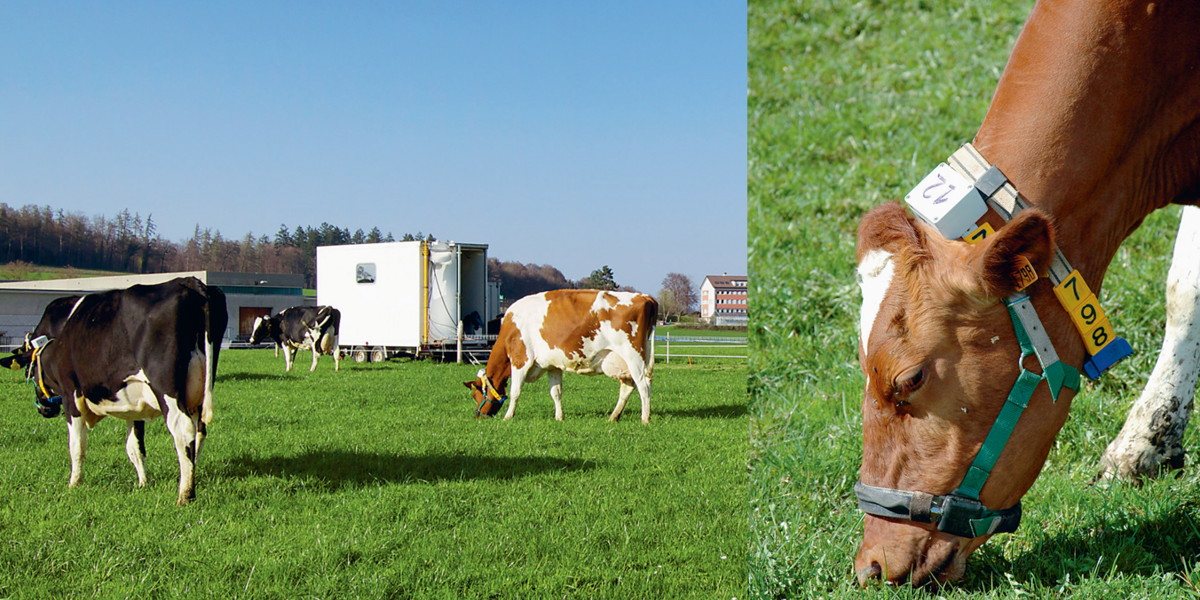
(460, 335)
(668, 347)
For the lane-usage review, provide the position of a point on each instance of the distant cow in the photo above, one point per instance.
(134, 354)
(301, 328)
(581, 331)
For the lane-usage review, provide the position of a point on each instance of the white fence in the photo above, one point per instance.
(682, 346)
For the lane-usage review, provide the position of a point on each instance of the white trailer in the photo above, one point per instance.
(407, 297)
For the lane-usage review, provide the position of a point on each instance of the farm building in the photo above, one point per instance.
(723, 299)
(248, 295)
(407, 297)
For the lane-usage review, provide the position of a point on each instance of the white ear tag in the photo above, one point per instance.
(947, 201)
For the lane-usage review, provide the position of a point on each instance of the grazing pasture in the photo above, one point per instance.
(675, 344)
(851, 104)
(377, 482)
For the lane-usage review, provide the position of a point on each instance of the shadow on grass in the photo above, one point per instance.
(726, 411)
(1126, 545)
(224, 377)
(342, 469)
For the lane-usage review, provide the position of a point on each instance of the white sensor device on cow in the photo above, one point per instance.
(947, 201)
(39, 341)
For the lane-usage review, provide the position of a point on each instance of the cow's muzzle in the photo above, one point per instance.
(49, 407)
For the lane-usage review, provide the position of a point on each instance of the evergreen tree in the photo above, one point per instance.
(601, 279)
(283, 239)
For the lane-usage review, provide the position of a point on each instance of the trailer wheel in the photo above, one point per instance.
(377, 355)
(359, 354)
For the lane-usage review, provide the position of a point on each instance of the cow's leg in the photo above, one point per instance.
(555, 379)
(641, 379)
(201, 433)
(623, 395)
(514, 391)
(629, 368)
(288, 354)
(77, 442)
(183, 429)
(1152, 437)
(135, 447)
(337, 355)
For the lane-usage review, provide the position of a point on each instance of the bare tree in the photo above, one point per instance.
(668, 306)
(678, 295)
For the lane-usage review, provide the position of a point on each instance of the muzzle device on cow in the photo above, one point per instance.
(952, 199)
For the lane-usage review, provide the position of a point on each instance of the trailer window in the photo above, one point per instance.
(365, 273)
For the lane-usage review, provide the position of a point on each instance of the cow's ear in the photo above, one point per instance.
(886, 227)
(474, 383)
(15, 362)
(1027, 240)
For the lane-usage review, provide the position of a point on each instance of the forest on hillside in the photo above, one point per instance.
(128, 243)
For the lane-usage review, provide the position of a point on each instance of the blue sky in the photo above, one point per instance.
(565, 133)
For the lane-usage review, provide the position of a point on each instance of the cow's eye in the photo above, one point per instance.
(909, 382)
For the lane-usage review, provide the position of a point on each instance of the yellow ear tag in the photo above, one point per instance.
(1085, 311)
(979, 234)
(1025, 275)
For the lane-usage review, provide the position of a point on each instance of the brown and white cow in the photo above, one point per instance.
(1094, 122)
(135, 354)
(580, 331)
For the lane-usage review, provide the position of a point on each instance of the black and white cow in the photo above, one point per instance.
(302, 328)
(135, 354)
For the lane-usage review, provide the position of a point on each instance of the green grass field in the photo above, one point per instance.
(849, 105)
(377, 482)
(26, 271)
(699, 347)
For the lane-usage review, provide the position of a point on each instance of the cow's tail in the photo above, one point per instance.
(206, 412)
(652, 319)
(216, 317)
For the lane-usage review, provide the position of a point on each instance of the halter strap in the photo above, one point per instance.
(1057, 375)
(1002, 196)
(490, 390)
(961, 512)
(49, 401)
(952, 514)
(489, 393)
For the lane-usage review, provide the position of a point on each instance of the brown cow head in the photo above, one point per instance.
(487, 404)
(940, 355)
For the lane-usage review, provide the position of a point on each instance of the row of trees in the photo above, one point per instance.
(128, 243)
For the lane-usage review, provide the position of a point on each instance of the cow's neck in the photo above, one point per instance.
(1093, 128)
(498, 369)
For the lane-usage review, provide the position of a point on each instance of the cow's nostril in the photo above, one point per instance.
(869, 573)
